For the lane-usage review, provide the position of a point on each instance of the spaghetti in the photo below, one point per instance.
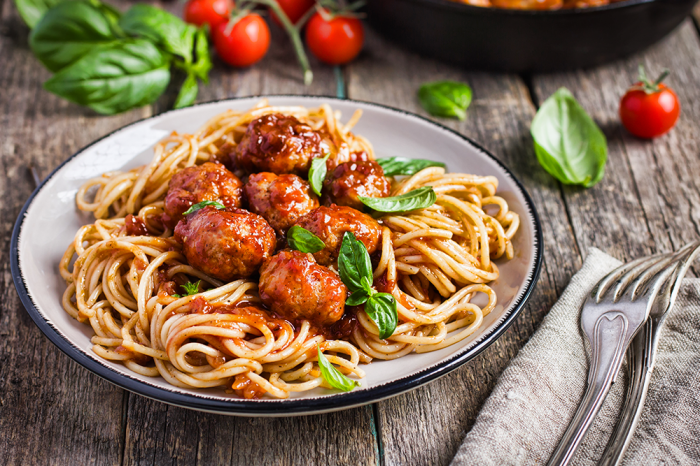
(433, 261)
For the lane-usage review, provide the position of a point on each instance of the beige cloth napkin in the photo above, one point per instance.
(538, 393)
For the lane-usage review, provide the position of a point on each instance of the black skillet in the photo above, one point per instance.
(525, 41)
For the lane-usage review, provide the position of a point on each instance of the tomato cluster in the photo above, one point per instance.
(241, 37)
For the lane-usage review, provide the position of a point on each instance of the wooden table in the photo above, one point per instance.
(52, 411)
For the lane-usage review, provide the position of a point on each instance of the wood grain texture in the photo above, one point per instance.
(648, 200)
(427, 425)
(52, 411)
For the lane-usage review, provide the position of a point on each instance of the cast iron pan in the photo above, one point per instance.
(526, 41)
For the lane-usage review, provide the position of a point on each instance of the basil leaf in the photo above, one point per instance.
(203, 204)
(188, 92)
(417, 199)
(317, 173)
(191, 288)
(32, 11)
(303, 240)
(568, 143)
(357, 298)
(445, 98)
(393, 166)
(115, 78)
(69, 31)
(381, 308)
(353, 262)
(160, 27)
(333, 376)
(202, 65)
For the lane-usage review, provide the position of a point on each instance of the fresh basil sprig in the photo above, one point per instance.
(355, 270)
(394, 166)
(203, 204)
(420, 198)
(333, 376)
(190, 289)
(317, 173)
(568, 143)
(112, 62)
(69, 31)
(303, 240)
(445, 99)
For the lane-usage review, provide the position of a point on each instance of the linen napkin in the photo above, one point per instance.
(535, 398)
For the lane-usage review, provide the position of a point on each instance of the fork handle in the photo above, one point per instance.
(610, 341)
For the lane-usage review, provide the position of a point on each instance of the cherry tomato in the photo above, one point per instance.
(247, 42)
(211, 12)
(649, 115)
(336, 41)
(294, 9)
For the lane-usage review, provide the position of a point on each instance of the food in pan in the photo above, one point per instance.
(538, 4)
(271, 252)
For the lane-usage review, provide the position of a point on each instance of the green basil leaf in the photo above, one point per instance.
(191, 288)
(303, 240)
(317, 173)
(568, 143)
(162, 28)
(333, 376)
(114, 78)
(69, 31)
(202, 65)
(353, 262)
(394, 166)
(188, 92)
(201, 205)
(417, 199)
(381, 308)
(445, 98)
(357, 298)
(32, 11)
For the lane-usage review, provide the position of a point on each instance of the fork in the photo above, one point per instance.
(641, 358)
(610, 317)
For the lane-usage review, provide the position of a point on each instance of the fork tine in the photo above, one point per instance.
(640, 285)
(613, 277)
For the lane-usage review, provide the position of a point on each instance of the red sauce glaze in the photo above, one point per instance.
(350, 180)
(226, 244)
(383, 284)
(135, 226)
(246, 388)
(206, 182)
(281, 200)
(279, 144)
(295, 287)
(330, 224)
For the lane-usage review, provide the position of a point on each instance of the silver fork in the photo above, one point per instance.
(610, 317)
(641, 357)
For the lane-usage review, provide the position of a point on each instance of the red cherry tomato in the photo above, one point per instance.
(211, 12)
(648, 115)
(336, 41)
(247, 42)
(294, 9)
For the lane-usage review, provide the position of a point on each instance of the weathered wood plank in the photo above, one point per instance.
(649, 197)
(52, 411)
(157, 433)
(427, 425)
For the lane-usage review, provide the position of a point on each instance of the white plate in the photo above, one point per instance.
(51, 208)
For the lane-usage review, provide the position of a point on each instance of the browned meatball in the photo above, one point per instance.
(226, 244)
(331, 223)
(352, 179)
(279, 144)
(281, 200)
(206, 182)
(295, 287)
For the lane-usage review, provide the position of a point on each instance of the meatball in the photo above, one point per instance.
(281, 200)
(226, 244)
(352, 179)
(206, 182)
(295, 287)
(279, 144)
(331, 223)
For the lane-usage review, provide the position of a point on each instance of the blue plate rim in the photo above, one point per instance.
(288, 407)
